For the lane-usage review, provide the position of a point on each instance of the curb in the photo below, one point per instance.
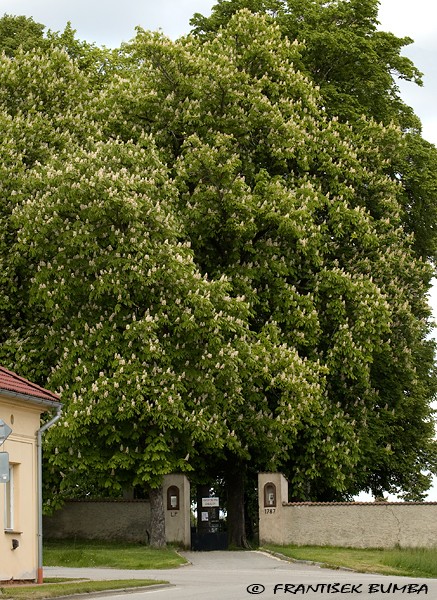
(321, 565)
(103, 593)
(185, 564)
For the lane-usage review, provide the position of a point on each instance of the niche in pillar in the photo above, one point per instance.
(173, 498)
(269, 495)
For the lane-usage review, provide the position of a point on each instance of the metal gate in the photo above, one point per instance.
(210, 533)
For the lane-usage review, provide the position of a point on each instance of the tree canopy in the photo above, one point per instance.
(216, 270)
(20, 32)
(357, 67)
(299, 211)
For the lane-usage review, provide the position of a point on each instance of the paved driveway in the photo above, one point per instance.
(249, 575)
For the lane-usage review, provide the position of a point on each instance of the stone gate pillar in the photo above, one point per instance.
(177, 508)
(272, 493)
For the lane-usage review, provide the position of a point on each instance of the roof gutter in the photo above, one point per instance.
(39, 478)
(34, 399)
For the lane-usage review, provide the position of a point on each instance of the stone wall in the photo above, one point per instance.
(348, 524)
(124, 520)
(100, 520)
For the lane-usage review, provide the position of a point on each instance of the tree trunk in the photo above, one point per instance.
(157, 518)
(235, 514)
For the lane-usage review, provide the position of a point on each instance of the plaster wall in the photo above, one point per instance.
(372, 525)
(347, 524)
(271, 525)
(100, 520)
(123, 520)
(22, 562)
(177, 522)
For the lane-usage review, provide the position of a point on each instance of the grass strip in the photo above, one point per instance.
(55, 590)
(422, 562)
(407, 562)
(119, 555)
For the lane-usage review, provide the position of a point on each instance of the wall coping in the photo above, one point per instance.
(106, 500)
(359, 503)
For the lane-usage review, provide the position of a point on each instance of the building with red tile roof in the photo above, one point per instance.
(21, 405)
(12, 384)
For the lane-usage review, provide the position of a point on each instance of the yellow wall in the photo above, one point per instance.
(24, 420)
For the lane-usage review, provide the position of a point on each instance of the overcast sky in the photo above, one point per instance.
(109, 22)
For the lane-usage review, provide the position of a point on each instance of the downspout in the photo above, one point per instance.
(39, 469)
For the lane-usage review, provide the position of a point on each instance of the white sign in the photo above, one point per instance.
(5, 431)
(210, 502)
(4, 467)
(204, 516)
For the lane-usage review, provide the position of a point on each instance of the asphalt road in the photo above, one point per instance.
(255, 575)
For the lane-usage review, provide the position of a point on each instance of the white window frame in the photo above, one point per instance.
(9, 515)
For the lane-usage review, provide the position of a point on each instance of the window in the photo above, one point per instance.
(173, 498)
(270, 495)
(9, 500)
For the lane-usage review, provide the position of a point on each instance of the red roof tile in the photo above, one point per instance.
(11, 382)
